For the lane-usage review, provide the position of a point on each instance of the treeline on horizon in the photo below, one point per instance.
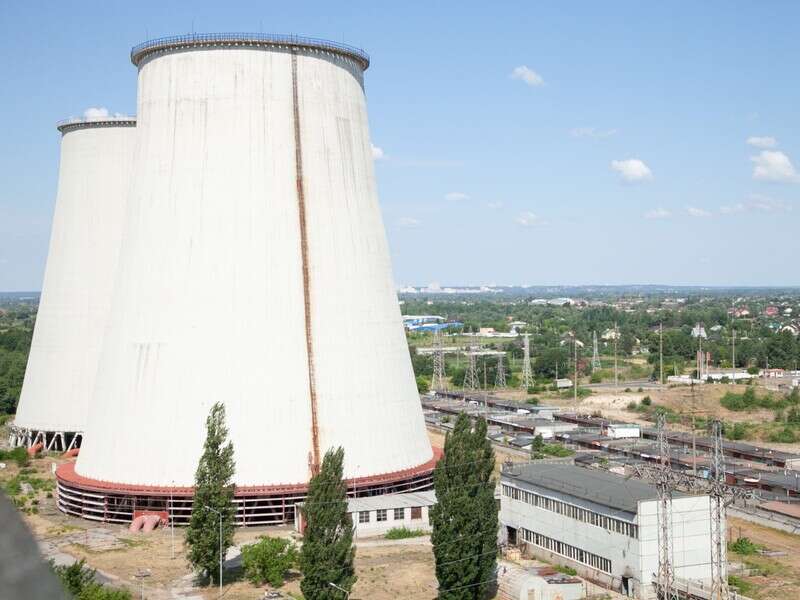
(756, 341)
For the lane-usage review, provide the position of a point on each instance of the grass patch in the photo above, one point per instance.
(743, 587)
(566, 570)
(402, 533)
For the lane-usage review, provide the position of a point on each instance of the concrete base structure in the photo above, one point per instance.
(274, 505)
(51, 441)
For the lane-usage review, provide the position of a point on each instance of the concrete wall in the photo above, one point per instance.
(81, 264)
(210, 302)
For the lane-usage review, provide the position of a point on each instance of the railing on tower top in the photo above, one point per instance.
(138, 51)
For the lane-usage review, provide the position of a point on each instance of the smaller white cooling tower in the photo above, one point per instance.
(96, 158)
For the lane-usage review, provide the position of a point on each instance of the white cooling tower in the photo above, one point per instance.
(254, 271)
(96, 156)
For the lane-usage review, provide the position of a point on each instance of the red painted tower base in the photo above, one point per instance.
(269, 505)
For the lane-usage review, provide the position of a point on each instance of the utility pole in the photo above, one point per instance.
(661, 354)
(438, 384)
(527, 375)
(719, 497)
(733, 355)
(500, 376)
(666, 578)
(616, 372)
(575, 384)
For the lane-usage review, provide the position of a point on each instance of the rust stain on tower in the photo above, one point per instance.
(301, 210)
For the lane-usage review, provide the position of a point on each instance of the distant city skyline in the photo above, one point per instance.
(518, 144)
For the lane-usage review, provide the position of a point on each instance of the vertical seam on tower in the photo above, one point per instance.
(301, 210)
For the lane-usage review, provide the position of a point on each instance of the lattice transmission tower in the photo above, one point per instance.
(500, 376)
(595, 352)
(527, 373)
(438, 383)
(471, 381)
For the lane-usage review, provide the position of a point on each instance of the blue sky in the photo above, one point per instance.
(523, 143)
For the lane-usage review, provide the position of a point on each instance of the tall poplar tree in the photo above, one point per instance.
(327, 554)
(465, 516)
(213, 489)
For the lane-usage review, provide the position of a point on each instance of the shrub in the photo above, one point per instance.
(401, 533)
(632, 406)
(19, 455)
(566, 570)
(743, 545)
(533, 400)
(78, 580)
(596, 378)
(785, 436)
(268, 560)
(640, 390)
(647, 401)
(628, 389)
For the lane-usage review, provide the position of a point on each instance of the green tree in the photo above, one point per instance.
(465, 516)
(327, 553)
(268, 560)
(213, 498)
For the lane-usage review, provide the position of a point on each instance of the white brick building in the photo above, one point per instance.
(602, 525)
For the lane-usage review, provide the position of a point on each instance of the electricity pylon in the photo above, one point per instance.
(527, 374)
(500, 376)
(438, 384)
(595, 352)
(471, 382)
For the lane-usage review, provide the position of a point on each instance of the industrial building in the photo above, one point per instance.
(253, 233)
(602, 525)
(376, 515)
(94, 170)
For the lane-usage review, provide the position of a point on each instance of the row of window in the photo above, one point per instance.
(572, 511)
(567, 551)
(382, 514)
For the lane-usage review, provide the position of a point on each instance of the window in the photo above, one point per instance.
(416, 512)
(572, 511)
(571, 552)
(363, 516)
(382, 514)
(399, 514)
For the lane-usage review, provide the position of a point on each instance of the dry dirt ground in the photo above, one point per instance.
(773, 578)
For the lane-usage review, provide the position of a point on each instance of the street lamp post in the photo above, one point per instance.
(341, 589)
(220, 547)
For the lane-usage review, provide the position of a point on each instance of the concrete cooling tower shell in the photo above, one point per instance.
(96, 156)
(255, 271)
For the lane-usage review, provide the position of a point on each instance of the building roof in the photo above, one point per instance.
(388, 501)
(593, 485)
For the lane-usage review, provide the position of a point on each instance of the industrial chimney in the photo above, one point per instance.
(96, 157)
(254, 271)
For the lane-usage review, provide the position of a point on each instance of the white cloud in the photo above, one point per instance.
(96, 112)
(591, 132)
(528, 219)
(377, 153)
(757, 203)
(773, 165)
(657, 213)
(494, 205)
(529, 76)
(632, 169)
(408, 222)
(693, 211)
(455, 196)
(732, 209)
(762, 141)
